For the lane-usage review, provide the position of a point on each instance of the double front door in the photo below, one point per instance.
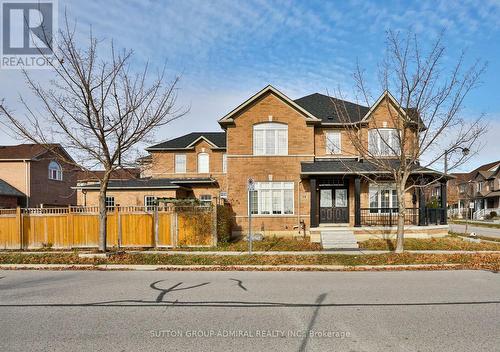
(333, 205)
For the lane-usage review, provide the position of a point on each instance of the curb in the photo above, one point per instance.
(121, 267)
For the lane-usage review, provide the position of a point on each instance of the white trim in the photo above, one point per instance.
(202, 137)
(228, 117)
(385, 94)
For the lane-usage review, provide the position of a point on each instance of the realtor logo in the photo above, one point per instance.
(28, 33)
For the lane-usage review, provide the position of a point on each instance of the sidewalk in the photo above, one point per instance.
(234, 253)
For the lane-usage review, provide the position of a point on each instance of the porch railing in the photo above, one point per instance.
(387, 216)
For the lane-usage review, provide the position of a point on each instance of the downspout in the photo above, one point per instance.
(298, 206)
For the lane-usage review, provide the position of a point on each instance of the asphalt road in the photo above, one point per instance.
(484, 231)
(250, 311)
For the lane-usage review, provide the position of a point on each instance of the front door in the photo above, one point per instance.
(333, 206)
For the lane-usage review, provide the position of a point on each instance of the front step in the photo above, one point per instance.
(338, 238)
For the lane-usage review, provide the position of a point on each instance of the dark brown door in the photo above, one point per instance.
(333, 205)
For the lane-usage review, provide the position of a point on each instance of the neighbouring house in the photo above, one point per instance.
(36, 176)
(481, 187)
(302, 181)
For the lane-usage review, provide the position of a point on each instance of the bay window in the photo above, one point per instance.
(272, 198)
(383, 142)
(383, 196)
(270, 139)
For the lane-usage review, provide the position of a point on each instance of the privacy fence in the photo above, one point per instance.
(127, 226)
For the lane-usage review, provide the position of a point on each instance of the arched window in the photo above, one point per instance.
(203, 163)
(55, 171)
(270, 139)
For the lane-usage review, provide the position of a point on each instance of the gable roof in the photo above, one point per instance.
(187, 141)
(325, 108)
(29, 151)
(8, 190)
(228, 118)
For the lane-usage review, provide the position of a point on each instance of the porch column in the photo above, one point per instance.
(357, 201)
(313, 210)
(444, 214)
(421, 207)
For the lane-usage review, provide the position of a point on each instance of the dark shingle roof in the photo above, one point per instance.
(24, 151)
(351, 166)
(151, 183)
(217, 138)
(8, 190)
(328, 108)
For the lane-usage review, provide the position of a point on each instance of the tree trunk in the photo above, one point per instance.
(401, 222)
(103, 219)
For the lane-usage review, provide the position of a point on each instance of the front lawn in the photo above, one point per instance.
(470, 261)
(438, 243)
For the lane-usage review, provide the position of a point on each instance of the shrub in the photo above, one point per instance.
(224, 223)
(493, 214)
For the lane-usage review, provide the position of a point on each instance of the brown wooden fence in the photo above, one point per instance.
(127, 226)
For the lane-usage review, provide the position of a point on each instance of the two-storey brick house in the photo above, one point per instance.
(306, 171)
(34, 175)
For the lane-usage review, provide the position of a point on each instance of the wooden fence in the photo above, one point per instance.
(127, 226)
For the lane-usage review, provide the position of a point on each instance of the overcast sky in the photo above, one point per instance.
(228, 50)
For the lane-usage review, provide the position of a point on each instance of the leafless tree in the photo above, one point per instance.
(97, 107)
(425, 109)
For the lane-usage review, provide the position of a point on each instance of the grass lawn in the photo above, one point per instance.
(439, 243)
(471, 261)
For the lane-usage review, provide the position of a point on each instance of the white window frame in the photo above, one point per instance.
(178, 163)
(270, 138)
(224, 163)
(205, 199)
(272, 193)
(391, 145)
(331, 148)
(55, 171)
(200, 170)
(479, 186)
(110, 202)
(149, 207)
(379, 188)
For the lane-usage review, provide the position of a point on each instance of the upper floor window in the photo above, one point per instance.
(224, 163)
(55, 171)
(203, 163)
(383, 141)
(479, 186)
(333, 143)
(270, 139)
(462, 188)
(180, 163)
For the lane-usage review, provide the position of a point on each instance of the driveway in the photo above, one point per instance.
(484, 231)
(249, 311)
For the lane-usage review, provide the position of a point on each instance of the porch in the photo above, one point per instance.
(339, 195)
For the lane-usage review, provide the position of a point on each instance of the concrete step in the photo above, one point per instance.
(338, 239)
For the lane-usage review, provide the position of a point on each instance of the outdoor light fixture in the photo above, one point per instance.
(465, 152)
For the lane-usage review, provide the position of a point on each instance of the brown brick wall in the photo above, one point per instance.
(242, 164)
(8, 202)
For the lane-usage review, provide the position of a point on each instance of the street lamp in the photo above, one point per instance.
(465, 152)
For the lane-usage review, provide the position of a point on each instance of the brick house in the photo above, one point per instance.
(36, 176)
(302, 180)
(480, 186)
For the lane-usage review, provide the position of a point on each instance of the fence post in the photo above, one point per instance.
(69, 227)
(19, 221)
(214, 226)
(156, 226)
(119, 226)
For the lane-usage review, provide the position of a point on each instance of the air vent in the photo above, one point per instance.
(330, 117)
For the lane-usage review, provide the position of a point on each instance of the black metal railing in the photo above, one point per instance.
(387, 216)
